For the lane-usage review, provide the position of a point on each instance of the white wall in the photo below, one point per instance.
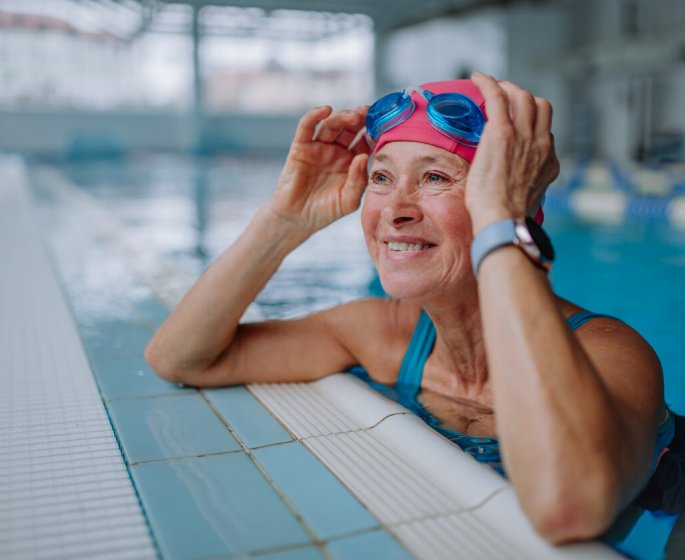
(625, 60)
(444, 48)
(536, 34)
(613, 69)
(581, 55)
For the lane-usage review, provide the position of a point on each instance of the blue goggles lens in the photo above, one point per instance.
(389, 111)
(452, 114)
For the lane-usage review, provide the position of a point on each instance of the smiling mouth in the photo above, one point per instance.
(396, 246)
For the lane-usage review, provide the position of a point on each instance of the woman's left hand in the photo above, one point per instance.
(515, 161)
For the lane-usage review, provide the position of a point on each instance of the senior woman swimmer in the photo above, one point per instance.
(579, 414)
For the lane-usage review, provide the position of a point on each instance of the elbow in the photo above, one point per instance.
(162, 367)
(577, 513)
(174, 370)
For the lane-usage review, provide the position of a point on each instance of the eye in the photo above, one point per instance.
(379, 178)
(435, 178)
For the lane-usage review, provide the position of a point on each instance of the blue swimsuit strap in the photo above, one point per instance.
(578, 319)
(420, 347)
(423, 339)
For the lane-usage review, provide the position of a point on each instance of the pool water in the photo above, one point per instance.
(190, 210)
(635, 271)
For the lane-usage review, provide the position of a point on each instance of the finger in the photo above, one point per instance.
(356, 183)
(331, 127)
(362, 110)
(522, 108)
(496, 99)
(543, 124)
(345, 138)
(309, 121)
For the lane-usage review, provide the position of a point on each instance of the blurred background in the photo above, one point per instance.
(86, 77)
(167, 124)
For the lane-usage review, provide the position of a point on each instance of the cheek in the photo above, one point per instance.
(455, 223)
(370, 215)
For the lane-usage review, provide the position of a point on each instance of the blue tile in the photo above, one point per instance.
(152, 311)
(210, 506)
(129, 376)
(324, 503)
(164, 427)
(308, 553)
(248, 417)
(115, 339)
(378, 545)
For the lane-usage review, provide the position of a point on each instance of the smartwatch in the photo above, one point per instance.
(524, 233)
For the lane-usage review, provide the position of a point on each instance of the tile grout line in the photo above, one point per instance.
(279, 492)
(255, 461)
(72, 311)
(72, 195)
(90, 399)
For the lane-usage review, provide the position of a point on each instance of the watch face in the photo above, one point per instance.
(539, 237)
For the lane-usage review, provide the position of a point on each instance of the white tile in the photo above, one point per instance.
(503, 514)
(437, 500)
(369, 408)
(303, 409)
(65, 489)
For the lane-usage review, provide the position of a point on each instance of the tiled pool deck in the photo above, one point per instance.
(100, 458)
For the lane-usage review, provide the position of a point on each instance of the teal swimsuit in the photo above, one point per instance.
(485, 450)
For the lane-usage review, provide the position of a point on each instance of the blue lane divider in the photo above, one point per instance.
(638, 206)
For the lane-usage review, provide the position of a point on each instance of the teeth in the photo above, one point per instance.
(395, 246)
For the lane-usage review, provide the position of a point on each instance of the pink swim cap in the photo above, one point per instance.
(417, 128)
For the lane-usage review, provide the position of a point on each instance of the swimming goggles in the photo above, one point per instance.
(453, 114)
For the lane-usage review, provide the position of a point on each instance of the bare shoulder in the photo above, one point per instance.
(624, 359)
(606, 329)
(377, 332)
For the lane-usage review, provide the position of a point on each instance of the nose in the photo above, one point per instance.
(402, 207)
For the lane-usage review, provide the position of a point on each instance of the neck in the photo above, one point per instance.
(459, 353)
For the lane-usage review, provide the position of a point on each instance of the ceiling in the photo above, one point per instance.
(313, 19)
(387, 15)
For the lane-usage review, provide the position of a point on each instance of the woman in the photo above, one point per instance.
(576, 413)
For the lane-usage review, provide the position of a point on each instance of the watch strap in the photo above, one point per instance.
(491, 237)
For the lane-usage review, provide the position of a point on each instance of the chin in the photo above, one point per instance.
(403, 288)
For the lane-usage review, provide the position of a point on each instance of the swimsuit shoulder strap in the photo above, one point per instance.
(423, 339)
(419, 349)
(578, 319)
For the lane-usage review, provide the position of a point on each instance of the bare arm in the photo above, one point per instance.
(321, 182)
(577, 415)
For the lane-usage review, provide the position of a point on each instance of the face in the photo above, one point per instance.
(416, 226)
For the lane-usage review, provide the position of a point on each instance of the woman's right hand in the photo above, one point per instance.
(323, 179)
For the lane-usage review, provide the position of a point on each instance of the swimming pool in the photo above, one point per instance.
(190, 210)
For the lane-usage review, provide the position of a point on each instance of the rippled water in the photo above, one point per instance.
(190, 210)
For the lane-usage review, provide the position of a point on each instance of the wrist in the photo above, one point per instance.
(525, 234)
(287, 232)
(483, 217)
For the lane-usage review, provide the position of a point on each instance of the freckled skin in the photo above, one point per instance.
(576, 413)
(418, 190)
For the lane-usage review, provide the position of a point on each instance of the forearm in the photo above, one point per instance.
(558, 425)
(204, 323)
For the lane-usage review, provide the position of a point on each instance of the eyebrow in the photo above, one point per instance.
(423, 159)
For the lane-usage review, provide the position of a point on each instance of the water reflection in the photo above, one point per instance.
(651, 528)
(190, 211)
(464, 423)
